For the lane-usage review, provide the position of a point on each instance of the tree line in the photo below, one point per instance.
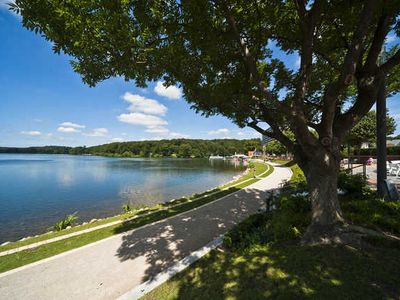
(163, 148)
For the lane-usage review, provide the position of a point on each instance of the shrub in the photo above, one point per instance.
(374, 213)
(67, 221)
(291, 218)
(288, 221)
(126, 208)
(355, 186)
(248, 232)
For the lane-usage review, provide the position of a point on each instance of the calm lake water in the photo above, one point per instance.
(37, 190)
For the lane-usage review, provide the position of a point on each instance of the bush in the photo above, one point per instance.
(126, 208)
(355, 186)
(67, 221)
(288, 221)
(248, 232)
(291, 218)
(372, 151)
(373, 213)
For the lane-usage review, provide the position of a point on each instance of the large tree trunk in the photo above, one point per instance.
(321, 172)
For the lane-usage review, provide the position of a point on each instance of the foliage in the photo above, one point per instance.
(372, 151)
(234, 65)
(355, 186)
(67, 221)
(288, 271)
(373, 213)
(275, 147)
(34, 150)
(293, 214)
(365, 130)
(126, 208)
(163, 148)
(257, 267)
(250, 231)
(289, 219)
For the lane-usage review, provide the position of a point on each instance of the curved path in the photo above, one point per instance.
(111, 267)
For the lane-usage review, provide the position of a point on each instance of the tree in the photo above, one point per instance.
(275, 147)
(221, 54)
(365, 130)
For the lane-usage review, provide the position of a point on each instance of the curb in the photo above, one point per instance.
(146, 287)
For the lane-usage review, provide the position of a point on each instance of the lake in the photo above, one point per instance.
(37, 190)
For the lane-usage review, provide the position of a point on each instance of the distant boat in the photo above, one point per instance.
(216, 157)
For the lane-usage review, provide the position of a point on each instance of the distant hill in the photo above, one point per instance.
(162, 148)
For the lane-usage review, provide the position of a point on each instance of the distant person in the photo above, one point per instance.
(370, 161)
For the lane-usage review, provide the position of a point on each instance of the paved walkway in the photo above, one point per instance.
(109, 268)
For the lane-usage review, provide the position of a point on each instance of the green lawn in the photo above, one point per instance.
(288, 271)
(18, 259)
(262, 259)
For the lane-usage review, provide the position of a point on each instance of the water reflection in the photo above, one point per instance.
(38, 190)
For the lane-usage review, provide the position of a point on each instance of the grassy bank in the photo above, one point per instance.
(262, 259)
(158, 212)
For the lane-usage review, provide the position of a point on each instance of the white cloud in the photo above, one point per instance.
(144, 105)
(31, 133)
(157, 129)
(177, 135)
(165, 133)
(67, 129)
(142, 119)
(38, 120)
(73, 125)
(219, 131)
(171, 92)
(117, 139)
(97, 132)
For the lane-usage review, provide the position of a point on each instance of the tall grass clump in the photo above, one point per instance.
(67, 221)
(126, 208)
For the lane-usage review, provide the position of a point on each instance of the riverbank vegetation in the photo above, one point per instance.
(127, 221)
(184, 148)
(262, 258)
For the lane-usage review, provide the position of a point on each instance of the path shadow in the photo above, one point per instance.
(165, 243)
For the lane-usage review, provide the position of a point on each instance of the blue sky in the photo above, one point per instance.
(43, 102)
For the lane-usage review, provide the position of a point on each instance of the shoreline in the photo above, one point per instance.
(97, 207)
(18, 254)
(135, 211)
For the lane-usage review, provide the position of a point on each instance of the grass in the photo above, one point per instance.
(297, 175)
(21, 258)
(262, 259)
(260, 169)
(288, 271)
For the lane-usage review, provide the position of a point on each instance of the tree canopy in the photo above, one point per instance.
(365, 130)
(163, 148)
(228, 57)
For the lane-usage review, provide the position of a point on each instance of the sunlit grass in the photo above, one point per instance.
(288, 271)
(24, 257)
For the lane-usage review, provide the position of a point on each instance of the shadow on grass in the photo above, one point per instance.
(288, 271)
(165, 243)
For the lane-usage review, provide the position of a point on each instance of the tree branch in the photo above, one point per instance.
(378, 40)
(390, 63)
(349, 67)
(308, 22)
(273, 133)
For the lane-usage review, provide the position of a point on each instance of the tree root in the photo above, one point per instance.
(343, 234)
